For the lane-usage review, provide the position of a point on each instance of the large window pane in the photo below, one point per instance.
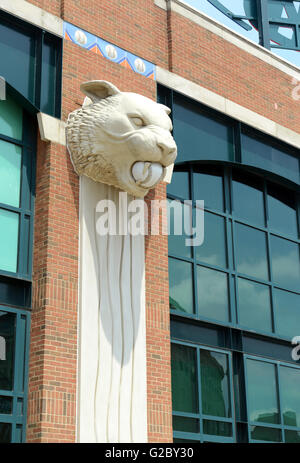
(292, 437)
(7, 348)
(212, 294)
(215, 384)
(181, 286)
(199, 136)
(282, 211)
(48, 87)
(184, 379)
(11, 118)
(285, 263)
(287, 313)
(9, 233)
(5, 433)
(248, 199)
(179, 185)
(251, 252)
(262, 392)
(10, 173)
(213, 249)
(217, 428)
(290, 397)
(183, 424)
(254, 305)
(257, 153)
(18, 48)
(209, 188)
(180, 222)
(5, 402)
(266, 434)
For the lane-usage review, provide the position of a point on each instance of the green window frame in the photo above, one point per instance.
(204, 421)
(230, 277)
(33, 64)
(13, 397)
(26, 144)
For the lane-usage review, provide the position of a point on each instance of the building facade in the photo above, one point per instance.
(219, 317)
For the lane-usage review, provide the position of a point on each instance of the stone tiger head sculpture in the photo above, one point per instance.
(120, 138)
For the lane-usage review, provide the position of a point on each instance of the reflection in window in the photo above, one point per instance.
(254, 305)
(282, 211)
(290, 397)
(212, 294)
(184, 379)
(248, 199)
(181, 286)
(7, 333)
(215, 387)
(251, 250)
(262, 392)
(285, 263)
(191, 126)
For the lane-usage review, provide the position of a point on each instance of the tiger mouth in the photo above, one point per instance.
(147, 174)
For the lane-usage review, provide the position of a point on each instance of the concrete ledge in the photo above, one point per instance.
(52, 129)
(34, 15)
(234, 110)
(182, 8)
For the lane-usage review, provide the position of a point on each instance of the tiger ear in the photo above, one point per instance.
(165, 108)
(98, 90)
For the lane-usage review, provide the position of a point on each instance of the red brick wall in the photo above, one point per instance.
(53, 345)
(158, 330)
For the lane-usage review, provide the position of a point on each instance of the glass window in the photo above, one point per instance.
(251, 252)
(184, 379)
(11, 118)
(248, 199)
(262, 392)
(48, 87)
(9, 230)
(180, 221)
(282, 211)
(287, 313)
(212, 294)
(213, 249)
(199, 136)
(290, 397)
(254, 305)
(10, 173)
(238, 263)
(32, 63)
(18, 47)
(264, 155)
(201, 388)
(5, 433)
(266, 434)
(215, 384)
(13, 357)
(209, 188)
(180, 185)
(285, 263)
(181, 286)
(7, 350)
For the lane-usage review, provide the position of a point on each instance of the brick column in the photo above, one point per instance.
(158, 332)
(53, 346)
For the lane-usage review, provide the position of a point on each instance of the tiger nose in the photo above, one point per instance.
(168, 153)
